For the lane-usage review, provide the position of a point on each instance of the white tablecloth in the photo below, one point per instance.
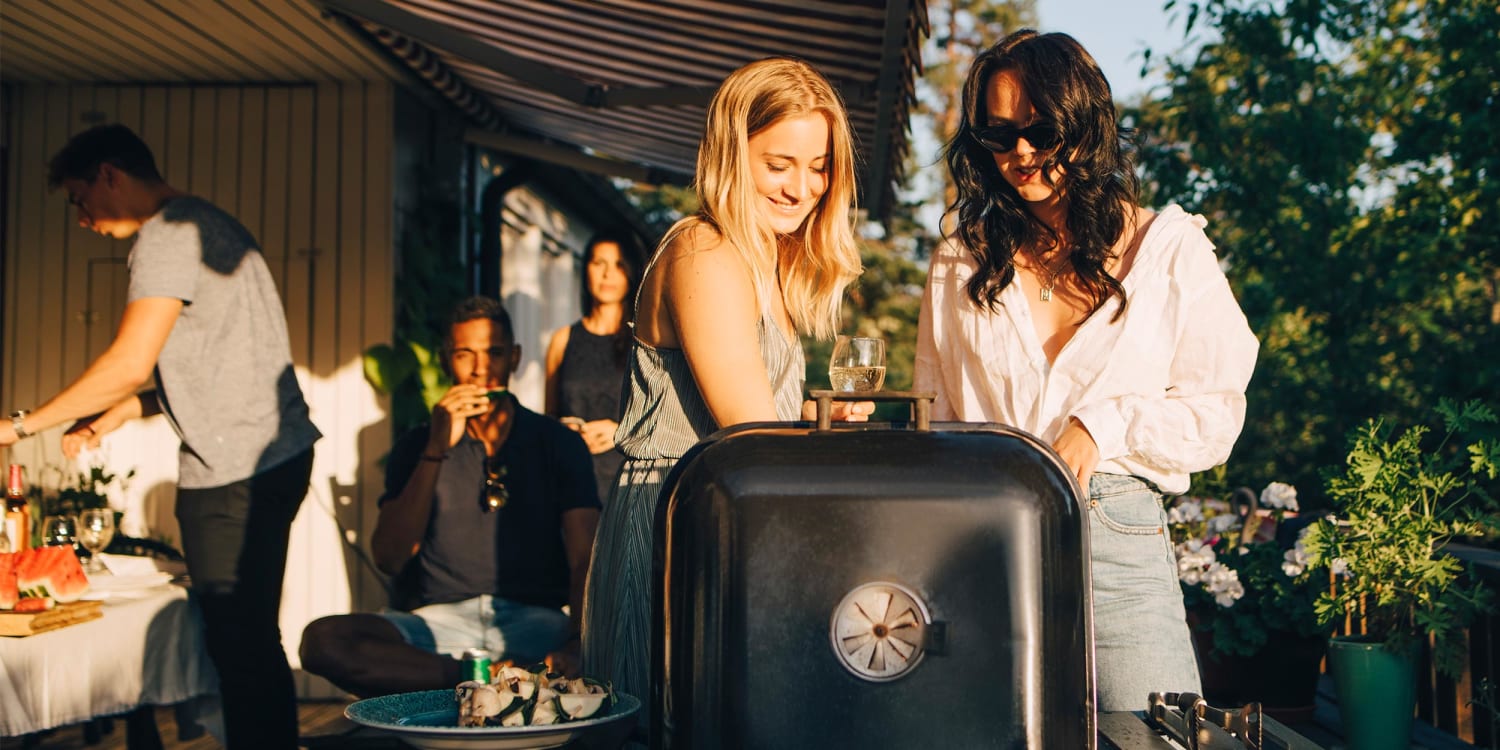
(147, 649)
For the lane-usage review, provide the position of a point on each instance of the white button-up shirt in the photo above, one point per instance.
(1161, 390)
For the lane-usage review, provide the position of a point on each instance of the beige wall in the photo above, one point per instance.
(308, 169)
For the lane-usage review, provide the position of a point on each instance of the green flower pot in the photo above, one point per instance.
(1377, 692)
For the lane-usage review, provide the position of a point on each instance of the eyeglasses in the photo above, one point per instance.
(495, 493)
(1042, 136)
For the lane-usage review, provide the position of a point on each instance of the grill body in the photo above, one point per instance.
(779, 546)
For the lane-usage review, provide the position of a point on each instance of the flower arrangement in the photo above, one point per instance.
(1398, 502)
(1244, 567)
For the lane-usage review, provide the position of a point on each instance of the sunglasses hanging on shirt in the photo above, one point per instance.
(495, 493)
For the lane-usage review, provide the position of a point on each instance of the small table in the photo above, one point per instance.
(146, 650)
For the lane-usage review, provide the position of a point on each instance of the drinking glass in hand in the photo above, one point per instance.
(857, 364)
(59, 531)
(96, 527)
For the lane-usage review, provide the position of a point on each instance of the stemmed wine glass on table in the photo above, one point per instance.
(96, 527)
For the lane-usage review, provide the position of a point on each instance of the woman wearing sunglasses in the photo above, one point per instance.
(1061, 307)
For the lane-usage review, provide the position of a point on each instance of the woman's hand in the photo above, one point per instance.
(599, 434)
(80, 437)
(843, 411)
(1079, 451)
(451, 413)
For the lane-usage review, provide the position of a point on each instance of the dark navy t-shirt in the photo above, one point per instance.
(516, 552)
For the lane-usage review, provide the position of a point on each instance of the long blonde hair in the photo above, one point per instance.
(826, 258)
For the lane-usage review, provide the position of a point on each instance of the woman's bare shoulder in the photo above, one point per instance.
(692, 241)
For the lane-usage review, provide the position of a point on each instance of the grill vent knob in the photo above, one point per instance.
(879, 631)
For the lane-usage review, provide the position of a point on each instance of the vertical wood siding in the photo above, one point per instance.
(308, 169)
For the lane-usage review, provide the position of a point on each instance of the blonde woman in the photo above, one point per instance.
(721, 306)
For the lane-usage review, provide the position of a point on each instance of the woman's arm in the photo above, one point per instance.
(710, 300)
(938, 308)
(555, 349)
(1193, 423)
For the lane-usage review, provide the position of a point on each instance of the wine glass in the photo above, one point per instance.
(857, 364)
(96, 527)
(60, 530)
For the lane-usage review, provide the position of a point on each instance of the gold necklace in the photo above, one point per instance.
(1041, 267)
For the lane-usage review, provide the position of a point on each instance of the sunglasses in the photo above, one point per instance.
(1043, 136)
(495, 493)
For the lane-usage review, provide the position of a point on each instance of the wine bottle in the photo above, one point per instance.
(17, 512)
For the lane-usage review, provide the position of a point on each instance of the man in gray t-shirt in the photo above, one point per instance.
(203, 319)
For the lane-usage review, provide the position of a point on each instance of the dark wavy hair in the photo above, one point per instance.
(632, 254)
(1099, 182)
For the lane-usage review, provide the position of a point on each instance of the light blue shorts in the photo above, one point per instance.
(522, 633)
(1141, 639)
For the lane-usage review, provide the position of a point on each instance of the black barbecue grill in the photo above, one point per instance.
(879, 585)
(869, 586)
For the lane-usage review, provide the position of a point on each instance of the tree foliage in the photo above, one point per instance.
(1344, 152)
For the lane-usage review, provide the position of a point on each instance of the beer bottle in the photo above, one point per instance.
(17, 513)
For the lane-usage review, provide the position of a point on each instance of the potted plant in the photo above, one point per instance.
(1398, 501)
(1243, 569)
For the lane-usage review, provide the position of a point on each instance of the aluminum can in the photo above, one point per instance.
(476, 664)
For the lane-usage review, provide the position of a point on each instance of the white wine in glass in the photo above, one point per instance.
(857, 364)
(96, 527)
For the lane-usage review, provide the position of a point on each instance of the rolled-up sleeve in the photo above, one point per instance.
(1191, 425)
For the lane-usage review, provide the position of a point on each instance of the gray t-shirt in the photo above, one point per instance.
(225, 376)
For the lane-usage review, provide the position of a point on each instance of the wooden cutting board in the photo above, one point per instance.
(31, 623)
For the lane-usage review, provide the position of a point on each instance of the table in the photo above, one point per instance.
(147, 649)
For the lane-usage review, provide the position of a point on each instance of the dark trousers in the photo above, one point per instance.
(235, 539)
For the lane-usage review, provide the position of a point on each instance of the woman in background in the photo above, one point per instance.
(586, 361)
(722, 303)
(1062, 307)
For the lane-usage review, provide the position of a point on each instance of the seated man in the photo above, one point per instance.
(487, 522)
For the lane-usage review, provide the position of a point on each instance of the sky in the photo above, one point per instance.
(1115, 32)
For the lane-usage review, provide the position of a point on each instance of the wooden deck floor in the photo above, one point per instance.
(314, 718)
(327, 717)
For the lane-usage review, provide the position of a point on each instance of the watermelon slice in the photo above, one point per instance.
(51, 571)
(10, 593)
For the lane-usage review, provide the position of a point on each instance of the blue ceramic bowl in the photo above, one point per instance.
(429, 720)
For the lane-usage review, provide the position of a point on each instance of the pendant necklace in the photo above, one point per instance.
(1051, 283)
(1047, 288)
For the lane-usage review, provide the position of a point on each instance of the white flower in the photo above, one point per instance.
(1279, 495)
(1339, 567)
(1222, 523)
(1187, 510)
(1294, 561)
(1193, 558)
(1224, 583)
(1229, 596)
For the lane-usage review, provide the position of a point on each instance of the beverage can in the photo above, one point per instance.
(476, 664)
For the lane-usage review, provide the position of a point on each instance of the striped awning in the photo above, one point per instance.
(611, 86)
(620, 86)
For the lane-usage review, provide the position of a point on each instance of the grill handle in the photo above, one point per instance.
(920, 402)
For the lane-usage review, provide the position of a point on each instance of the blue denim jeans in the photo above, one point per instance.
(1141, 639)
(522, 633)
